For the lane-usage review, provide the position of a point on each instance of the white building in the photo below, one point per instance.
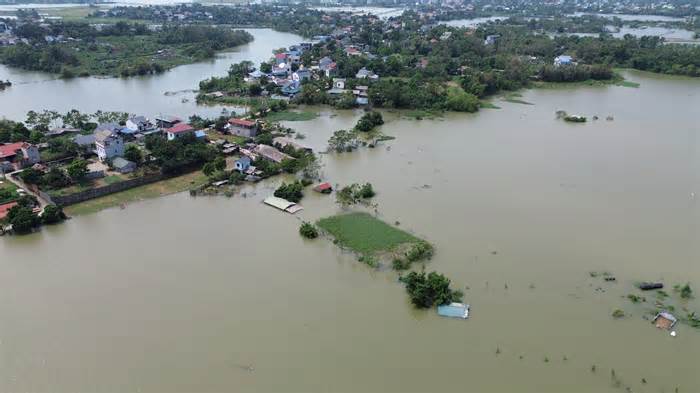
(108, 145)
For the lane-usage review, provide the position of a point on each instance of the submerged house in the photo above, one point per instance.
(271, 154)
(664, 320)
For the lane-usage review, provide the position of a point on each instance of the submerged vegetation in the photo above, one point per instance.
(122, 49)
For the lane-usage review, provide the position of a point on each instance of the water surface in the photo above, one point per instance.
(217, 294)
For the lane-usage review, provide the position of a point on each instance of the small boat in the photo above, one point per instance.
(454, 310)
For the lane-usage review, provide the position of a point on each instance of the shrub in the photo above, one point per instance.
(400, 264)
(366, 191)
(308, 231)
(369, 260)
(428, 290)
(291, 192)
(23, 219)
(52, 214)
(618, 314)
(421, 250)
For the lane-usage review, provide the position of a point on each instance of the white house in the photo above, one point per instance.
(108, 145)
(179, 130)
(562, 60)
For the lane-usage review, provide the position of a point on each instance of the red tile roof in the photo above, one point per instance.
(180, 128)
(241, 122)
(10, 149)
(323, 187)
(6, 208)
(280, 56)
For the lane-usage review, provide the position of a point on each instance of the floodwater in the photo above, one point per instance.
(215, 294)
(141, 95)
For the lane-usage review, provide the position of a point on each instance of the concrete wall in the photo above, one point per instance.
(105, 190)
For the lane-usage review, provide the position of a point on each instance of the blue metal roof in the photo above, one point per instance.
(454, 310)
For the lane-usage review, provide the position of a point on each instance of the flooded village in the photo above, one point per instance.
(184, 267)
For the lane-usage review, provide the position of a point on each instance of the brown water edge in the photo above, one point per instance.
(187, 294)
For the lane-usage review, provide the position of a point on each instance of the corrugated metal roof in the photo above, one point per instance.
(282, 204)
(454, 310)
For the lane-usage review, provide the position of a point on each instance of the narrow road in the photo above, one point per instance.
(42, 202)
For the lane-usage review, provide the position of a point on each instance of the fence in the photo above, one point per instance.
(81, 196)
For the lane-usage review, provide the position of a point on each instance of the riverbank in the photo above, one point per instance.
(153, 190)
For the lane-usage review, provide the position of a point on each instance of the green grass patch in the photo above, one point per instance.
(626, 83)
(8, 191)
(420, 114)
(515, 98)
(112, 179)
(365, 234)
(153, 190)
(291, 116)
(214, 135)
(488, 105)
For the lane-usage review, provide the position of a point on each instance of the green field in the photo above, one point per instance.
(8, 191)
(153, 190)
(365, 234)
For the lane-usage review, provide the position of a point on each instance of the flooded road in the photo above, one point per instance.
(213, 294)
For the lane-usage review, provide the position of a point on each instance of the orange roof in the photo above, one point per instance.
(6, 208)
(179, 128)
(241, 122)
(10, 149)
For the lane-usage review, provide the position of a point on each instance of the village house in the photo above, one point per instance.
(271, 154)
(108, 145)
(179, 130)
(291, 88)
(491, 39)
(562, 60)
(361, 95)
(242, 127)
(139, 124)
(282, 142)
(301, 75)
(122, 165)
(19, 155)
(364, 73)
(327, 66)
(242, 164)
(167, 121)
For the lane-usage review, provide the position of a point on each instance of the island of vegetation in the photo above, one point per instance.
(121, 49)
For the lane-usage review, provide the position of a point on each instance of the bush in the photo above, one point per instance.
(369, 121)
(366, 191)
(52, 214)
(400, 264)
(23, 219)
(291, 192)
(428, 290)
(369, 260)
(618, 314)
(421, 250)
(308, 231)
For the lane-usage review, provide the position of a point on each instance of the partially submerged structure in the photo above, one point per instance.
(454, 310)
(665, 320)
(283, 204)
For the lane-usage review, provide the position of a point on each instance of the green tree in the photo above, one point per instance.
(52, 214)
(22, 219)
(133, 154)
(308, 230)
(78, 169)
(291, 192)
(433, 289)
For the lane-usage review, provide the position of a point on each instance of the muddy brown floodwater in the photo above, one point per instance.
(215, 294)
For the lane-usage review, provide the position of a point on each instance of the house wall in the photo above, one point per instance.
(243, 131)
(113, 147)
(31, 155)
